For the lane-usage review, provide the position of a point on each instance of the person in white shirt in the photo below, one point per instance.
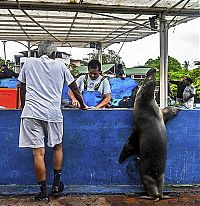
(93, 86)
(188, 94)
(41, 83)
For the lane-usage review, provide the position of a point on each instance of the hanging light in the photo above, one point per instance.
(98, 45)
(153, 22)
(92, 45)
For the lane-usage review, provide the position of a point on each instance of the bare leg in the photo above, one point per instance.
(39, 164)
(40, 171)
(58, 186)
(57, 157)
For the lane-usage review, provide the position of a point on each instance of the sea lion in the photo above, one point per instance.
(131, 146)
(149, 138)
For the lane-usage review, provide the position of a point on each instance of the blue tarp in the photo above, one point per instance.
(121, 88)
(65, 93)
(9, 83)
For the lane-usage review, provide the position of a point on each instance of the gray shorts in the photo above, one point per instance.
(34, 131)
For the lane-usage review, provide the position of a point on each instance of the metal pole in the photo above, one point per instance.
(163, 62)
(29, 49)
(100, 56)
(4, 48)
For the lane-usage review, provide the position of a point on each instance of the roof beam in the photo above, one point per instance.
(91, 8)
(69, 23)
(103, 26)
(73, 39)
(63, 17)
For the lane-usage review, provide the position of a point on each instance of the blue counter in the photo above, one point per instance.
(92, 143)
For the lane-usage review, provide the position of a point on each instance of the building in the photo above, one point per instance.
(105, 69)
(195, 65)
(77, 62)
(137, 73)
(21, 58)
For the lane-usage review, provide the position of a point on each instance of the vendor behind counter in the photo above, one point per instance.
(122, 91)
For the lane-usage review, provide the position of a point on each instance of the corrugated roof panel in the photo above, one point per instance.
(77, 23)
(136, 70)
(84, 69)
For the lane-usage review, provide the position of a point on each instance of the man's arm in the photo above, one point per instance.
(105, 101)
(73, 98)
(189, 97)
(22, 94)
(76, 94)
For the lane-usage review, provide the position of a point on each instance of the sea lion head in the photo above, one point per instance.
(148, 87)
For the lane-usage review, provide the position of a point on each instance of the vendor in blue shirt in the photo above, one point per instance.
(94, 87)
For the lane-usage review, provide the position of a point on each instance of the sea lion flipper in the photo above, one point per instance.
(131, 147)
(169, 112)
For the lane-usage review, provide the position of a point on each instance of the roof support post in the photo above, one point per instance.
(4, 49)
(29, 49)
(100, 56)
(163, 61)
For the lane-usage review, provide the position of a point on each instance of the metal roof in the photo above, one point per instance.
(76, 23)
(84, 69)
(136, 70)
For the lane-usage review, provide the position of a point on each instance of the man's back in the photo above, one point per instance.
(180, 89)
(44, 78)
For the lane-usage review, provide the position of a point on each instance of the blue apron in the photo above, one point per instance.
(92, 98)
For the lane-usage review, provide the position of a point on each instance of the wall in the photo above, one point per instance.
(92, 143)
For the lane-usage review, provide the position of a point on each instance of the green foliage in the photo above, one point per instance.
(173, 64)
(74, 71)
(2, 61)
(110, 57)
(176, 72)
(8, 62)
(153, 63)
(195, 75)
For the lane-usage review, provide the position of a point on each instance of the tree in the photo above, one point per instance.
(195, 76)
(2, 61)
(176, 72)
(153, 63)
(186, 65)
(111, 57)
(173, 64)
(9, 63)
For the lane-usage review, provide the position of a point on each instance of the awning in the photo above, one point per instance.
(77, 23)
(99, 23)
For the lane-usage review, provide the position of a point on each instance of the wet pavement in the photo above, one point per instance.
(183, 199)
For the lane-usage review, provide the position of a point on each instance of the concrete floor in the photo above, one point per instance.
(184, 199)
